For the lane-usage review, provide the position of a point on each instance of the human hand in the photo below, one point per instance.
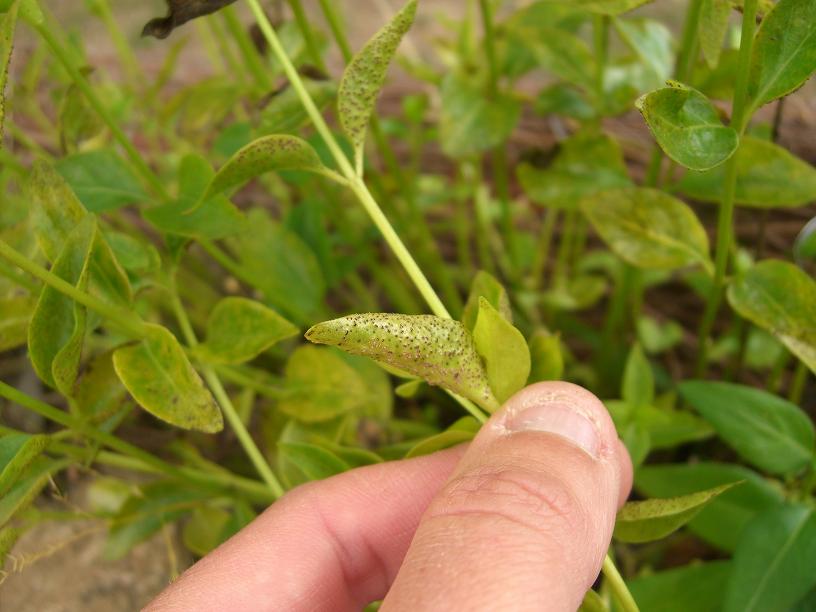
(520, 519)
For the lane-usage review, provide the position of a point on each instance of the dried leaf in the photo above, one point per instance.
(180, 12)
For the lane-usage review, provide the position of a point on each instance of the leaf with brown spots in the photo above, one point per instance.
(179, 13)
(8, 21)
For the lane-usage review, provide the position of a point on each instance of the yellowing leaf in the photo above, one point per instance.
(503, 349)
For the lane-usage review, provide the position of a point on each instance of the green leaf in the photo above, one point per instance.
(55, 210)
(463, 430)
(697, 586)
(240, 329)
(652, 41)
(314, 461)
(179, 13)
(8, 23)
(503, 349)
(213, 219)
(486, 286)
(205, 529)
(470, 123)
(8, 537)
(781, 298)
(774, 561)
(441, 351)
(546, 357)
(638, 381)
(271, 153)
(648, 228)
(603, 7)
(15, 316)
(654, 519)
(57, 330)
(767, 431)
(784, 52)
(722, 522)
(17, 451)
(101, 180)
(711, 28)
(687, 127)
(324, 384)
(586, 164)
(593, 603)
(577, 293)
(560, 52)
(28, 487)
(285, 114)
(99, 392)
(161, 379)
(768, 176)
(364, 76)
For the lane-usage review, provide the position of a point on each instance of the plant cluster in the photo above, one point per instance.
(161, 254)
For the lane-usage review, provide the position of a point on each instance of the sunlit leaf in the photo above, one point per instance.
(441, 351)
(161, 379)
(654, 519)
(687, 127)
(179, 13)
(503, 350)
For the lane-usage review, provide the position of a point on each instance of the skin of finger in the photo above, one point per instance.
(331, 545)
(524, 521)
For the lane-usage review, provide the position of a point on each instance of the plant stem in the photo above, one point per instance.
(78, 425)
(725, 221)
(64, 58)
(619, 588)
(543, 248)
(308, 34)
(251, 449)
(336, 26)
(252, 58)
(797, 387)
(126, 56)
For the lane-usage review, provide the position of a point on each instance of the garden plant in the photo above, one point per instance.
(215, 292)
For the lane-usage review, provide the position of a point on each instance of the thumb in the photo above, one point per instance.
(525, 519)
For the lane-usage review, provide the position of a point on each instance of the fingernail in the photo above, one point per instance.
(559, 418)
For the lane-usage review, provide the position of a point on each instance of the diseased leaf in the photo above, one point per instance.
(768, 176)
(57, 330)
(101, 180)
(503, 350)
(17, 451)
(278, 152)
(364, 76)
(441, 351)
(711, 27)
(55, 208)
(161, 379)
(784, 52)
(767, 431)
(8, 23)
(486, 286)
(586, 164)
(179, 13)
(240, 329)
(781, 298)
(773, 564)
(99, 392)
(653, 519)
(648, 228)
(687, 127)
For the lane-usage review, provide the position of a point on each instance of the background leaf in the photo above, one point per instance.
(101, 180)
(17, 451)
(712, 26)
(486, 286)
(697, 586)
(8, 23)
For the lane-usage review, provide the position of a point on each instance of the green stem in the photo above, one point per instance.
(337, 29)
(308, 34)
(146, 459)
(543, 248)
(619, 588)
(797, 388)
(725, 221)
(64, 58)
(251, 449)
(252, 59)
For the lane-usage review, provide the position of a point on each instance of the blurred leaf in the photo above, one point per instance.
(99, 392)
(470, 123)
(654, 519)
(486, 286)
(563, 99)
(648, 228)
(561, 52)
(8, 23)
(214, 218)
(161, 379)
(315, 462)
(284, 113)
(503, 350)
(687, 127)
(79, 123)
(55, 209)
(593, 603)
(586, 164)
(546, 357)
(107, 495)
(28, 487)
(721, 523)
(784, 52)
(767, 431)
(8, 537)
(139, 258)
(637, 387)
(804, 249)
(781, 298)
(277, 152)
(652, 41)
(578, 293)
(15, 315)
(446, 439)
(365, 74)
(441, 351)
(101, 180)
(697, 586)
(768, 176)
(179, 13)
(656, 338)
(604, 7)
(205, 529)
(774, 560)
(58, 325)
(17, 451)
(240, 329)
(325, 385)
(711, 28)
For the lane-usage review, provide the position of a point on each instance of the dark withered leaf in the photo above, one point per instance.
(180, 12)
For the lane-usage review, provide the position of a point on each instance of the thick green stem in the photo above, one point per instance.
(618, 586)
(725, 221)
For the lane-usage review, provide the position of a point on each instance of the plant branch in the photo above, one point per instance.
(618, 586)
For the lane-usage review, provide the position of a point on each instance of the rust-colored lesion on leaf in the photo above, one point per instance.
(179, 13)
